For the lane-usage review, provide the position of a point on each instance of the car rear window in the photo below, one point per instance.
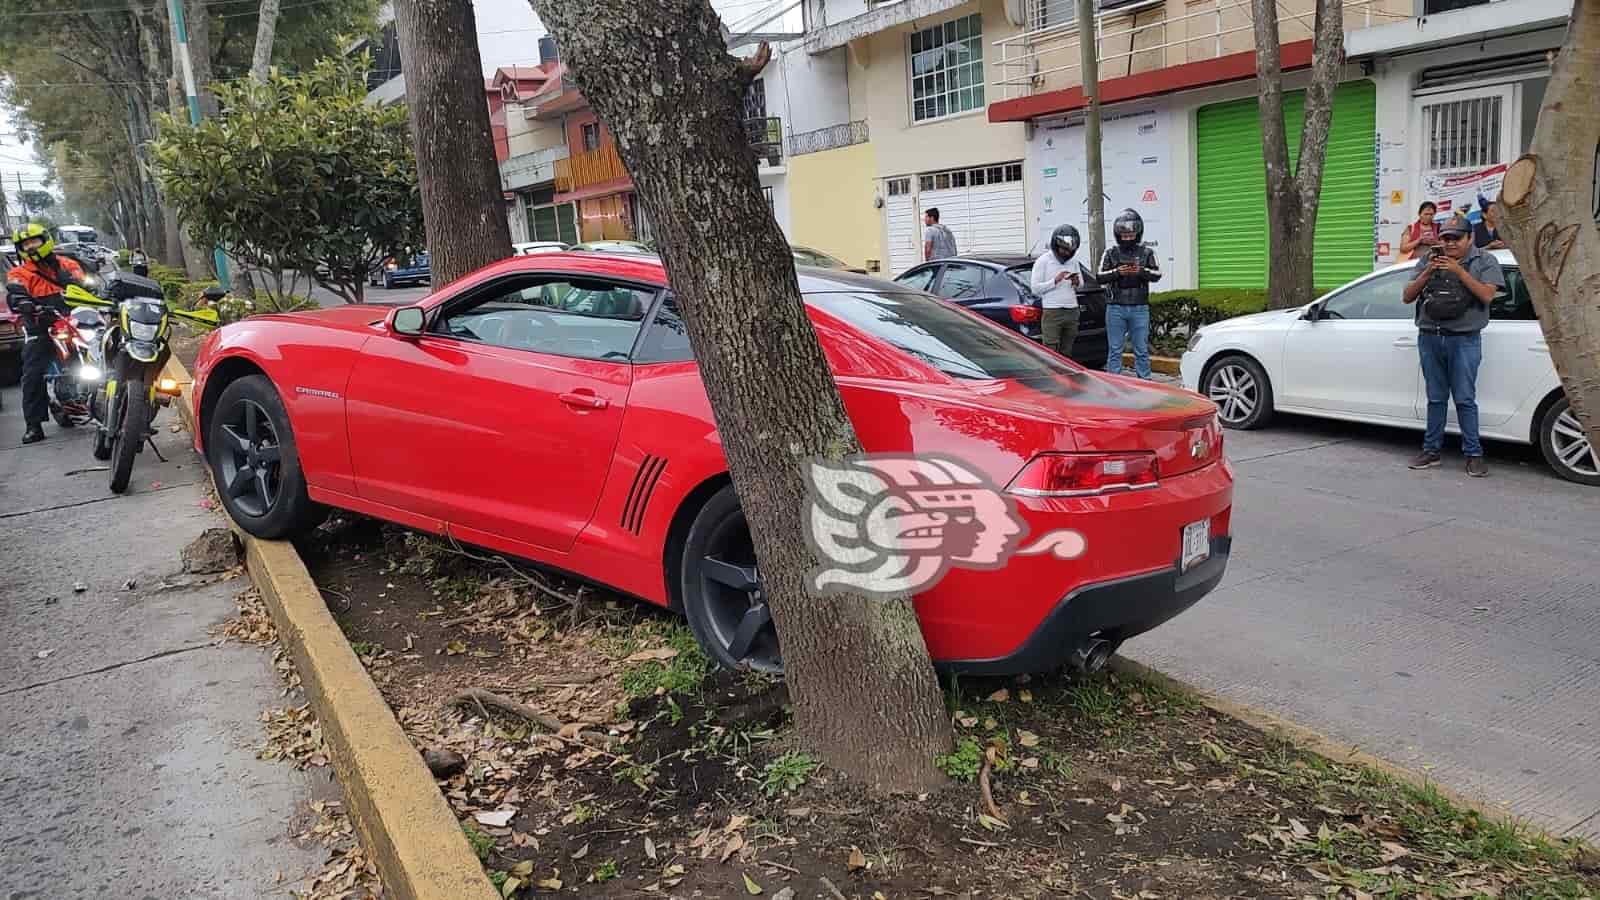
(1022, 275)
(949, 338)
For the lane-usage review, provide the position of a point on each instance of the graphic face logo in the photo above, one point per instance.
(889, 525)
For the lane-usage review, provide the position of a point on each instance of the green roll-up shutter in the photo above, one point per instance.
(1232, 194)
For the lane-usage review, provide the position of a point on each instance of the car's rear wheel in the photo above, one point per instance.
(252, 454)
(1239, 388)
(721, 589)
(1566, 445)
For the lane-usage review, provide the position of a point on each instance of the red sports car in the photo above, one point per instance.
(549, 407)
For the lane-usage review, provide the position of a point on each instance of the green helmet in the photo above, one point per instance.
(29, 232)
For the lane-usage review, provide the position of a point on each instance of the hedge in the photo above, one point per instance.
(1174, 315)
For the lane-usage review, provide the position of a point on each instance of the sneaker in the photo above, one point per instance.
(1476, 467)
(1427, 459)
(33, 435)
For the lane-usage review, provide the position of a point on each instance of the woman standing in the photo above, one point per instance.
(1420, 235)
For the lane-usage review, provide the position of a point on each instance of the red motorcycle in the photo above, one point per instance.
(73, 375)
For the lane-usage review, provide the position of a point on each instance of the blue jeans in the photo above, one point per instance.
(1124, 323)
(1450, 369)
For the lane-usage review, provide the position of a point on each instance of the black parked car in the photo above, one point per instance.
(996, 286)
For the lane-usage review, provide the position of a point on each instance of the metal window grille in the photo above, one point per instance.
(1463, 134)
(830, 138)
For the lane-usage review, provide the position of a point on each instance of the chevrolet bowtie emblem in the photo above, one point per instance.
(1198, 449)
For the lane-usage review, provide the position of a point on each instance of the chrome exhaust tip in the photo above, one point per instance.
(1092, 655)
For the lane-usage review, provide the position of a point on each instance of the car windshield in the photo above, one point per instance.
(944, 336)
(807, 257)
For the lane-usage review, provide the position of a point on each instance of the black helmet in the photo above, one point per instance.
(1064, 241)
(1128, 228)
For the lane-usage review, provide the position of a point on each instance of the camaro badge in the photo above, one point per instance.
(316, 393)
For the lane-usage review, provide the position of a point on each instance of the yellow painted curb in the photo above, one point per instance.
(1316, 742)
(1166, 365)
(407, 828)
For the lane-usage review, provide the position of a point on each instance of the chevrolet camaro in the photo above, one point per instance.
(549, 407)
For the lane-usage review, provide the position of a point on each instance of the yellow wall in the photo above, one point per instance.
(880, 92)
(831, 208)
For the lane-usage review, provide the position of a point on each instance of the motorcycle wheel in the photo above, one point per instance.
(59, 413)
(132, 428)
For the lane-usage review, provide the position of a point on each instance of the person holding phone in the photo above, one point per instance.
(1421, 235)
(1055, 282)
(1128, 269)
(1452, 288)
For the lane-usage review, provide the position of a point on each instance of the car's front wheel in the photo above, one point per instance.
(1239, 387)
(1566, 445)
(721, 589)
(252, 454)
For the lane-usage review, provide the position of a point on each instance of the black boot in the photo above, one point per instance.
(33, 435)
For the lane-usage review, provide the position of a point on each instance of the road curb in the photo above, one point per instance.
(1166, 365)
(1307, 738)
(406, 827)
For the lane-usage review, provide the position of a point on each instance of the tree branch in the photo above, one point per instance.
(1269, 75)
(750, 66)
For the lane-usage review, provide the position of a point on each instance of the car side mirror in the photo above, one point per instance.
(1312, 313)
(407, 321)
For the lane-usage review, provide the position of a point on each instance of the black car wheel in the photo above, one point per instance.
(721, 589)
(252, 454)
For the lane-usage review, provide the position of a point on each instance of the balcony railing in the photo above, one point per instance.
(833, 137)
(528, 169)
(1045, 57)
(591, 167)
(766, 137)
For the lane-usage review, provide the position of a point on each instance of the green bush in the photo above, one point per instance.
(172, 281)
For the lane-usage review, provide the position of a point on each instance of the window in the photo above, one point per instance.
(918, 279)
(579, 317)
(961, 282)
(1512, 302)
(1462, 134)
(667, 339)
(553, 223)
(591, 136)
(755, 100)
(899, 187)
(943, 335)
(947, 69)
(1375, 298)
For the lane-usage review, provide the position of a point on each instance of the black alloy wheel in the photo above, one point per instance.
(251, 449)
(722, 593)
(251, 458)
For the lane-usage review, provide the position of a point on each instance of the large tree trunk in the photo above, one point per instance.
(266, 28)
(1548, 220)
(1094, 173)
(1295, 191)
(658, 73)
(462, 202)
(197, 260)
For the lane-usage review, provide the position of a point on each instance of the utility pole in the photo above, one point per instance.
(1088, 45)
(181, 32)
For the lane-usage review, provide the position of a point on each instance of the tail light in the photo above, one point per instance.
(1084, 474)
(1025, 314)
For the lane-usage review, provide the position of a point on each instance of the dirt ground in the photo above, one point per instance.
(654, 775)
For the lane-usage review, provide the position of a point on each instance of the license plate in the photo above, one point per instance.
(1196, 543)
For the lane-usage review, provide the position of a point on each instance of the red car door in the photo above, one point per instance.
(503, 416)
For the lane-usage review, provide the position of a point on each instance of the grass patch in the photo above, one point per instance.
(683, 673)
(962, 765)
(482, 844)
(606, 871)
(366, 648)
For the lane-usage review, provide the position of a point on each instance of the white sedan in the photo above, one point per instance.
(1352, 355)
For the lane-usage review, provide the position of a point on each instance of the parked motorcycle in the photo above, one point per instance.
(134, 350)
(73, 374)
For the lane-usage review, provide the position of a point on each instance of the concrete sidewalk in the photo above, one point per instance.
(130, 766)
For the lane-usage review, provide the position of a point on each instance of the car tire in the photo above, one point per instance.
(1566, 447)
(266, 497)
(1239, 387)
(720, 589)
(388, 283)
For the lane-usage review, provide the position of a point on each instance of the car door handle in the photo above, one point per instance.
(584, 400)
(1405, 342)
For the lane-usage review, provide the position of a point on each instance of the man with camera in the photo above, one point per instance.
(1453, 286)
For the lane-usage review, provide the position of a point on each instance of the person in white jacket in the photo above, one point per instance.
(1055, 282)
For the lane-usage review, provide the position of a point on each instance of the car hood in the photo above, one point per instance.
(1260, 318)
(346, 315)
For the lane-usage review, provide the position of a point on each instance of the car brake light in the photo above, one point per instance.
(1021, 314)
(1084, 474)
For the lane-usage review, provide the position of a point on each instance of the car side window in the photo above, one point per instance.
(1512, 302)
(919, 279)
(667, 338)
(580, 317)
(1382, 297)
(961, 282)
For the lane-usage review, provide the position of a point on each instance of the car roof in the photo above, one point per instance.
(648, 268)
(1503, 257)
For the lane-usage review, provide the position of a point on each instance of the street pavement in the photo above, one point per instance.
(399, 296)
(129, 767)
(1445, 623)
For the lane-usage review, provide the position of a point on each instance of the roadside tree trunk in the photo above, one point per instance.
(658, 73)
(1549, 221)
(266, 29)
(462, 201)
(1094, 173)
(1295, 191)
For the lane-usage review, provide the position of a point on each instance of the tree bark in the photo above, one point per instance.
(266, 28)
(462, 200)
(658, 73)
(1088, 56)
(1549, 223)
(197, 260)
(1295, 191)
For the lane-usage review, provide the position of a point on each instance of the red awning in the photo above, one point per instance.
(1206, 72)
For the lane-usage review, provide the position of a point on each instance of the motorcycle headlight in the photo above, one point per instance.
(1194, 339)
(143, 331)
(89, 373)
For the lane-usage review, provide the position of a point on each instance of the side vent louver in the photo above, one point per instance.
(644, 484)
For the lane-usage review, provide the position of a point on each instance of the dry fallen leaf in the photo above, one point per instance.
(1025, 696)
(734, 845)
(1393, 851)
(649, 848)
(551, 884)
(857, 860)
(455, 648)
(1000, 696)
(1027, 739)
(1031, 762)
(654, 654)
(581, 853)
(967, 721)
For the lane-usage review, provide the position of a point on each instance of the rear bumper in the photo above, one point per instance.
(1116, 610)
